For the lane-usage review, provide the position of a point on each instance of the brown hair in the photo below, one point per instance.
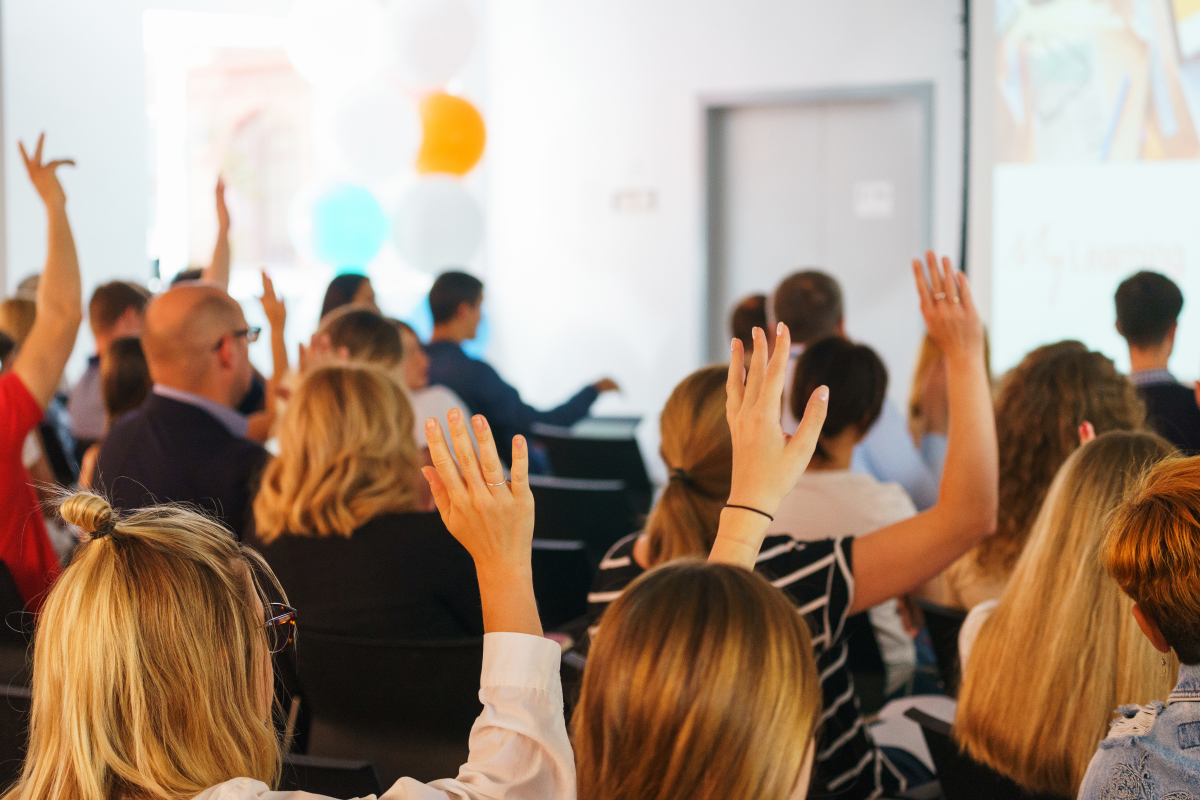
(698, 451)
(365, 333)
(16, 318)
(749, 314)
(1041, 404)
(701, 684)
(346, 455)
(1153, 552)
(113, 299)
(1024, 679)
(124, 377)
(857, 381)
(810, 304)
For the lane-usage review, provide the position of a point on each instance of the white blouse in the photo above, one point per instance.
(519, 744)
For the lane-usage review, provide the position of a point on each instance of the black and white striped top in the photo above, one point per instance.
(818, 579)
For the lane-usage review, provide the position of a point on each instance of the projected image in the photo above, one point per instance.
(1096, 81)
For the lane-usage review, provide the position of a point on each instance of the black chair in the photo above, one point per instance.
(597, 513)
(865, 663)
(595, 457)
(962, 777)
(406, 707)
(562, 575)
(58, 444)
(944, 623)
(328, 777)
(15, 702)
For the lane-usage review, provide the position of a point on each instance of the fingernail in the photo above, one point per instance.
(757, 332)
(732, 344)
(454, 415)
(431, 424)
(478, 422)
(779, 329)
(823, 393)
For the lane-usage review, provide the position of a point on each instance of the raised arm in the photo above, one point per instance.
(276, 313)
(218, 271)
(44, 354)
(899, 558)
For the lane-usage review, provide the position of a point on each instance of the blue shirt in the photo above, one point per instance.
(1151, 751)
(482, 388)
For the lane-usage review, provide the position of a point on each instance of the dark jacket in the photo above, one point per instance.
(1172, 412)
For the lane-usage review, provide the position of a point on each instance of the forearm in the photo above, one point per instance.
(279, 355)
(508, 601)
(969, 493)
(739, 537)
(218, 271)
(60, 292)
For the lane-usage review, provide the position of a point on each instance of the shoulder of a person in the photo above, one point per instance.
(240, 789)
(1132, 721)
(621, 553)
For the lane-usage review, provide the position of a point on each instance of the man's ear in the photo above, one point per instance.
(1150, 628)
(840, 330)
(1117, 324)
(225, 352)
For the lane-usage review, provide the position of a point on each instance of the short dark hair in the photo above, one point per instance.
(810, 304)
(451, 290)
(857, 381)
(113, 299)
(341, 291)
(188, 275)
(1148, 304)
(367, 335)
(751, 313)
(124, 377)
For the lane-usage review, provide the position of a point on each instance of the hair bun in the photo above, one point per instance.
(89, 512)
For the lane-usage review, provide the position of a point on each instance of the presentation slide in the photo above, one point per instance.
(1094, 139)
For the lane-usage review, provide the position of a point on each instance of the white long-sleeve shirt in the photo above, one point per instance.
(519, 744)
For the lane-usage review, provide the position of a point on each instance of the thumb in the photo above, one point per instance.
(804, 442)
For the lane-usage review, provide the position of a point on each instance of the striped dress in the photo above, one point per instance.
(818, 579)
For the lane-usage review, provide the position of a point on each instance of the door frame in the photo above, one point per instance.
(714, 108)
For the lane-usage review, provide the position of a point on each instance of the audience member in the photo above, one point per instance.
(339, 516)
(124, 385)
(27, 389)
(1151, 552)
(749, 314)
(17, 315)
(428, 401)
(1041, 404)
(455, 300)
(187, 443)
(830, 500)
(218, 270)
(810, 303)
(834, 577)
(1023, 678)
(7, 350)
(1148, 306)
(348, 289)
(116, 311)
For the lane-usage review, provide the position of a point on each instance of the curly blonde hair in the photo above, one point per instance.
(346, 455)
(1041, 404)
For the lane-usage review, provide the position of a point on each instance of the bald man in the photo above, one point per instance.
(187, 443)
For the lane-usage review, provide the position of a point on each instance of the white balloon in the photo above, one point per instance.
(438, 224)
(432, 40)
(375, 128)
(336, 42)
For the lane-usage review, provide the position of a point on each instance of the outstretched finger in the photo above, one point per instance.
(758, 369)
(441, 498)
(464, 451)
(443, 462)
(489, 459)
(37, 154)
(24, 155)
(520, 467)
(803, 443)
(935, 275)
(735, 384)
(58, 162)
(923, 290)
(777, 368)
(964, 294)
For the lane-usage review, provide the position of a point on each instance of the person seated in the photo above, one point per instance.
(1150, 551)
(1148, 306)
(1014, 699)
(830, 500)
(124, 385)
(187, 443)
(428, 400)
(749, 314)
(27, 389)
(1039, 409)
(455, 300)
(810, 304)
(348, 289)
(832, 578)
(218, 270)
(339, 515)
(928, 401)
(117, 310)
(17, 315)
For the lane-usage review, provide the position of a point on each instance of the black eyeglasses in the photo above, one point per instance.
(280, 625)
(251, 335)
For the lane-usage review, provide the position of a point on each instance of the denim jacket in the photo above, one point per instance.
(1152, 752)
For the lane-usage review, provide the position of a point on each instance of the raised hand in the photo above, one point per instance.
(43, 176)
(222, 209)
(948, 307)
(491, 517)
(273, 307)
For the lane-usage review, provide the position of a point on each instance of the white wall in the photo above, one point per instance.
(591, 97)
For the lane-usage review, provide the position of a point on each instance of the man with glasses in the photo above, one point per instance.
(187, 443)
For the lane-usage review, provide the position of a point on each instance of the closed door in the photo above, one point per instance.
(841, 184)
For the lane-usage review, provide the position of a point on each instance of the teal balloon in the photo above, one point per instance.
(348, 226)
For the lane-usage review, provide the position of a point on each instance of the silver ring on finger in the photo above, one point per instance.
(956, 300)
(940, 296)
(501, 483)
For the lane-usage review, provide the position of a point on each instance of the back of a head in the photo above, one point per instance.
(1148, 304)
(450, 291)
(16, 318)
(1040, 406)
(751, 313)
(700, 683)
(366, 335)
(857, 381)
(124, 377)
(111, 300)
(346, 455)
(1153, 552)
(810, 304)
(698, 452)
(151, 672)
(183, 325)
(189, 275)
(1059, 577)
(341, 292)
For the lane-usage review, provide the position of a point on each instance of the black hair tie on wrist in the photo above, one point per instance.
(748, 508)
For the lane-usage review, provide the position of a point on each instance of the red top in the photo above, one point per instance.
(24, 545)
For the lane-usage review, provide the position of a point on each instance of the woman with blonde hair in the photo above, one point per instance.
(341, 521)
(1036, 698)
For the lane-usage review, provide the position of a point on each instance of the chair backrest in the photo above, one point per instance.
(562, 575)
(595, 512)
(944, 623)
(15, 702)
(865, 662)
(962, 777)
(576, 455)
(328, 777)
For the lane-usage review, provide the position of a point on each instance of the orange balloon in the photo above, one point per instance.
(454, 135)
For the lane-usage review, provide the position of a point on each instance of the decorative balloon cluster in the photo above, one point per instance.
(380, 70)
